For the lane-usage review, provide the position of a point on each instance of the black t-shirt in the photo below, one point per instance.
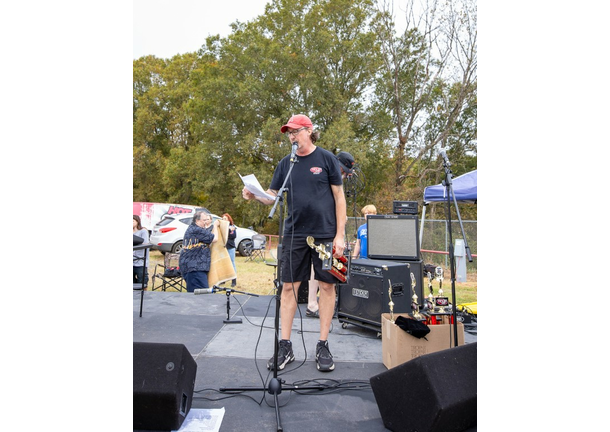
(231, 240)
(310, 200)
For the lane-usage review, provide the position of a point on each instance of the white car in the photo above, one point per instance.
(168, 233)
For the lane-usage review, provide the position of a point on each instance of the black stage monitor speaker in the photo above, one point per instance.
(393, 237)
(436, 392)
(163, 384)
(366, 295)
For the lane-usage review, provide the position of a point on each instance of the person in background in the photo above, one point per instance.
(317, 208)
(312, 297)
(360, 249)
(231, 242)
(140, 273)
(195, 256)
(346, 163)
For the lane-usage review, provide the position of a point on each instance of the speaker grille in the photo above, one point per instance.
(163, 384)
(366, 296)
(393, 237)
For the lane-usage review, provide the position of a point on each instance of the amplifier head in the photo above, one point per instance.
(405, 207)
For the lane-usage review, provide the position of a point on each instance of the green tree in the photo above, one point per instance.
(149, 126)
(162, 90)
(428, 88)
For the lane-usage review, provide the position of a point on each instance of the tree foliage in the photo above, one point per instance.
(392, 100)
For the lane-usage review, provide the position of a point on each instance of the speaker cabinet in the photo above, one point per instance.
(435, 392)
(393, 237)
(163, 384)
(366, 295)
(303, 297)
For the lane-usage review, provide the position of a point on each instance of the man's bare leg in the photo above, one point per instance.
(326, 308)
(290, 293)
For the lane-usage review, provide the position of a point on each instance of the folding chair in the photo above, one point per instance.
(272, 261)
(170, 275)
(259, 243)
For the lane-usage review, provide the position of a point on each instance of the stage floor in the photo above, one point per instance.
(235, 356)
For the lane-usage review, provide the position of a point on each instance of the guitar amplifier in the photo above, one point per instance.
(393, 237)
(405, 207)
(367, 293)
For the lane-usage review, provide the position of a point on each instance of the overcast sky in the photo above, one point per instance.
(165, 28)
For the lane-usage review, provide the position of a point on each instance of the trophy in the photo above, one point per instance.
(391, 304)
(430, 301)
(441, 301)
(438, 272)
(414, 304)
(335, 266)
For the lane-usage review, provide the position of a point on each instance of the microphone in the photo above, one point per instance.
(293, 155)
(444, 156)
(207, 290)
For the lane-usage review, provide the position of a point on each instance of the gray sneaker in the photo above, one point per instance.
(284, 356)
(324, 359)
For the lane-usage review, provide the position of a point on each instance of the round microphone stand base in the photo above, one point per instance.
(229, 291)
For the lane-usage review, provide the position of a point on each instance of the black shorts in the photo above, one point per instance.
(297, 257)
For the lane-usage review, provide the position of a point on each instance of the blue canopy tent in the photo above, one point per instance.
(464, 189)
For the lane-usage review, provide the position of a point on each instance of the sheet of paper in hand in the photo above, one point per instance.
(252, 184)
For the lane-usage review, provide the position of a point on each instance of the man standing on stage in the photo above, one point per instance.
(316, 208)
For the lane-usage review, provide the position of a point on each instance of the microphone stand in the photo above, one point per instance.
(229, 291)
(275, 385)
(449, 194)
(354, 184)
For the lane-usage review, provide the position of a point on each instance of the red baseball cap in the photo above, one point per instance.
(296, 122)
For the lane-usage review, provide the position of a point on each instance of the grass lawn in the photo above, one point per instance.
(258, 278)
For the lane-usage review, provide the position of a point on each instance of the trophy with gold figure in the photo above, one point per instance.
(441, 301)
(414, 303)
(336, 266)
(430, 300)
(439, 311)
(391, 304)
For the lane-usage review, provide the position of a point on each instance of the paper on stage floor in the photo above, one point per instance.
(252, 184)
(202, 420)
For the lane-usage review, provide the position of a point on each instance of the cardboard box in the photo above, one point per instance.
(398, 346)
